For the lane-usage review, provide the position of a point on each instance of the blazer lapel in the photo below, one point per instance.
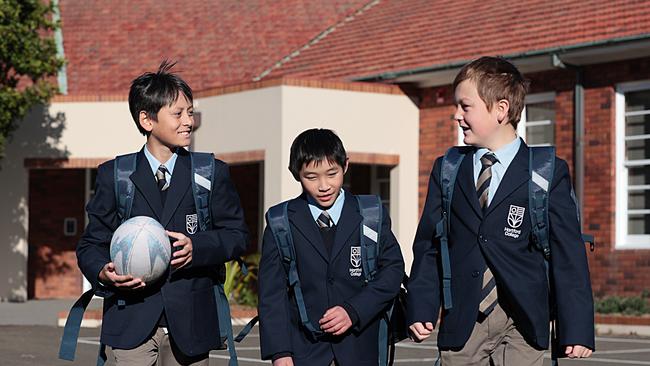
(300, 216)
(465, 180)
(516, 175)
(178, 186)
(145, 182)
(349, 221)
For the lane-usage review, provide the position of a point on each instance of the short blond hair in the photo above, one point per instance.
(496, 79)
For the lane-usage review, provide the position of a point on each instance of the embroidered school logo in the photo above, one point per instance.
(515, 216)
(191, 222)
(355, 256)
(355, 261)
(515, 219)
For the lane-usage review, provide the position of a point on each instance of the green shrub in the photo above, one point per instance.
(627, 305)
(242, 289)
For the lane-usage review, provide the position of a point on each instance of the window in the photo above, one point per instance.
(633, 165)
(537, 125)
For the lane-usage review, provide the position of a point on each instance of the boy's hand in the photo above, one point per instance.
(335, 320)
(577, 351)
(182, 253)
(420, 331)
(283, 361)
(108, 276)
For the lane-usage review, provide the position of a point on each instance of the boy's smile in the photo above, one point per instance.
(323, 180)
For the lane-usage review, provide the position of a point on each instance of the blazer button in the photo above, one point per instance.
(475, 274)
(330, 280)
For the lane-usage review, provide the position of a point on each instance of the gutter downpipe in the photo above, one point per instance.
(579, 127)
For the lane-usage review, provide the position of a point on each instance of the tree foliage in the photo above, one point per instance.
(28, 60)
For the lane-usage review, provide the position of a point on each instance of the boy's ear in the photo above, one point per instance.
(345, 168)
(145, 121)
(502, 108)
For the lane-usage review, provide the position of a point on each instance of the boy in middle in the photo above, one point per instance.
(325, 223)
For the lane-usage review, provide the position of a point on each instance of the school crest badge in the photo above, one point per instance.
(355, 261)
(515, 216)
(191, 223)
(515, 219)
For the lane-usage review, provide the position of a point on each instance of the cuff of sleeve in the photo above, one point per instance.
(354, 316)
(280, 355)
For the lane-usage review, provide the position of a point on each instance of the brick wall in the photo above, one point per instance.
(54, 194)
(622, 272)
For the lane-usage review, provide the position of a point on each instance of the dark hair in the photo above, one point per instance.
(151, 91)
(496, 79)
(314, 145)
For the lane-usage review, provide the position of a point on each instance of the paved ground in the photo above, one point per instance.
(22, 345)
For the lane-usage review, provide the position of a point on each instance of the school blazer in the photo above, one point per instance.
(477, 241)
(326, 281)
(185, 294)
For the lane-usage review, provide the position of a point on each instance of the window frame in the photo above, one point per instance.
(623, 239)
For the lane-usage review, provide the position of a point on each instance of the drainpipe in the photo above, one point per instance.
(579, 128)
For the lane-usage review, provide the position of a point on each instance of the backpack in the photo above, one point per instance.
(202, 172)
(541, 164)
(392, 327)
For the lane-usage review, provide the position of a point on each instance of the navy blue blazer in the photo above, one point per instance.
(326, 282)
(476, 240)
(186, 294)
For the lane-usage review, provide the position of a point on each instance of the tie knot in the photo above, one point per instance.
(161, 177)
(324, 220)
(488, 159)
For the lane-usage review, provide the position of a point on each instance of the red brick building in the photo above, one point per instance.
(588, 62)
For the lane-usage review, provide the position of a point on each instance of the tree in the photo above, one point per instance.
(28, 60)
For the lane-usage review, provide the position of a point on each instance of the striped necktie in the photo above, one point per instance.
(324, 220)
(489, 288)
(161, 178)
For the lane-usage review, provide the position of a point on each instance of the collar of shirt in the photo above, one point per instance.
(154, 163)
(334, 211)
(504, 155)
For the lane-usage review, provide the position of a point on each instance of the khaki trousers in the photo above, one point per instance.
(496, 340)
(158, 350)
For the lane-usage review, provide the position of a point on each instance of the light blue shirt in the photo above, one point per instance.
(154, 163)
(504, 155)
(334, 211)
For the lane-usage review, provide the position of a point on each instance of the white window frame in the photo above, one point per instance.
(623, 240)
(523, 123)
(521, 127)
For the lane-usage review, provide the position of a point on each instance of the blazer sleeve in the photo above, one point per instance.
(228, 238)
(569, 267)
(378, 293)
(273, 308)
(423, 290)
(93, 249)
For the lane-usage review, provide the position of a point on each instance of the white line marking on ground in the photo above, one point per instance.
(615, 361)
(622, 340)
(240, 359)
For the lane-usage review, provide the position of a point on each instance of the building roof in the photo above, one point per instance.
(216, 43)
(398, 35)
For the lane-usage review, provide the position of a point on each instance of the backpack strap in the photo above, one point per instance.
(370, 208)
(277, 220)
(124, 189)
(202, 173)
(541, 164)
(448, 172)
(124, 166)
